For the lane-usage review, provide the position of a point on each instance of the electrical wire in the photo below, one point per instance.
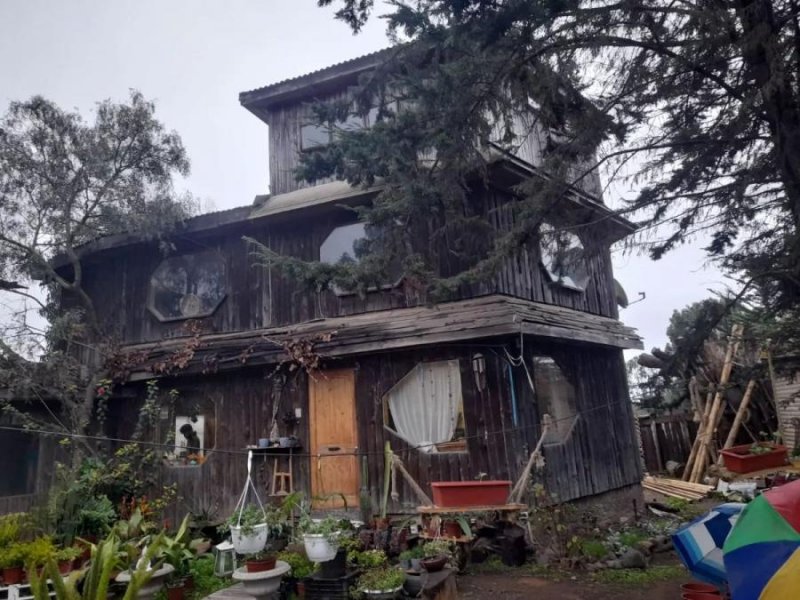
(246, 451)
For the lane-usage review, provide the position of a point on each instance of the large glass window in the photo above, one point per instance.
(341, 244)
(563, 257)
(187, 287)
(425, 408)
(555, 396)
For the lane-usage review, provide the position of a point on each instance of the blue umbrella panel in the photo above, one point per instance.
(699, 543)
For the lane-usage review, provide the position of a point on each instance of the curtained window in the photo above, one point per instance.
(425, 407)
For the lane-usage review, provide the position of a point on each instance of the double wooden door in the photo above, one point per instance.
(334, 438)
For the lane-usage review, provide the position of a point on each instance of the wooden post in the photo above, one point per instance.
(687, 470)
(737, 421)
(654, 433)
(716, 409)
(519, 488)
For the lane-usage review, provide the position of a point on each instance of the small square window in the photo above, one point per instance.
(314, 136)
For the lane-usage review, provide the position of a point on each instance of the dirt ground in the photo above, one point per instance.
(513, 587)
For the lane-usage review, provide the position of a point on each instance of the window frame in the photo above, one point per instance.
(564, 425)
(342, 292)
(456, 445)
(546, 258)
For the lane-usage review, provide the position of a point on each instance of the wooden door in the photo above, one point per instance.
(334, 438)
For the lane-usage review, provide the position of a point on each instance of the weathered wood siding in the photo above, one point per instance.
(286, 120)
(666, 438)
(118, 280)
(601, 454)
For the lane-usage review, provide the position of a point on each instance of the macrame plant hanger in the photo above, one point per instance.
(248, 485)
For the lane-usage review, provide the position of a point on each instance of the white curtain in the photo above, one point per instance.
(425, 404)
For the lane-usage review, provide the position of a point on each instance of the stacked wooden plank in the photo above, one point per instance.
(676, 488)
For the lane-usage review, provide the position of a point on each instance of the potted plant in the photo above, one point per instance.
(38, 553)
(755, 457)
(381, 583)
(12, 559)
(260, 561)
(301, 568)
(321, 537)
(409, 559)
(66, 557)
(436, 555)
(249, 530)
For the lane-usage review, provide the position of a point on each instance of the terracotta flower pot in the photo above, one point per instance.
(175, 592)
(697, 587)
(260, 565)
(65, 567)
(452, 529)
(301, 589)
(13, 575)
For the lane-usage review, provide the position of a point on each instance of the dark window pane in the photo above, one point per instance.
(188, 286)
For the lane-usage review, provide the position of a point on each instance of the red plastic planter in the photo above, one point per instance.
(739, 459)
(470, 493)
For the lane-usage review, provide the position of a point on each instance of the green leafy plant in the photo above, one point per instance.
(39, 551)
(416, 552)
(368, 559)
(12, 555)
(758, 449)
(247, 521)
(69, 553)
(329, 527)
(205, 582)
(96, 516)
(93, 583)
(382, 579)
(10, 527)
(301, 566)
(176, 551)
(435, 548)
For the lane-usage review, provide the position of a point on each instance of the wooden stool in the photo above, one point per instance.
(282, 484)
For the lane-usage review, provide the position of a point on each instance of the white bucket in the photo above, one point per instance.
(250, 543)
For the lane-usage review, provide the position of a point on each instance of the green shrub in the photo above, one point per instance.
(301, 566)
(10, 527)
(39, 552)
(593, 549)
(12, 555)
(381, 579)
(205, 582)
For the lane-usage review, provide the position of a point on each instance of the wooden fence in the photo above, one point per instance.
(666, 438)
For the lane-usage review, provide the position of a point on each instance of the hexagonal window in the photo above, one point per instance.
(190, 286)
(345, 244)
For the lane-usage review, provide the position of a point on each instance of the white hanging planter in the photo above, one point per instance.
(321, 547)
(250, 542)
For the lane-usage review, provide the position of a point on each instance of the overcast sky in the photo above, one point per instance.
(193, 57)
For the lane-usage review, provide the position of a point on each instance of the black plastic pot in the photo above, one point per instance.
(336, 568)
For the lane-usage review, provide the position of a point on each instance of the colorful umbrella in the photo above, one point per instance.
(762, 553)
(699, 544)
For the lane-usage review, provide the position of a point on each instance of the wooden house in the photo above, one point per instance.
(458, 388)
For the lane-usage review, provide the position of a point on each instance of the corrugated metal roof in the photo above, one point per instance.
(367, 59)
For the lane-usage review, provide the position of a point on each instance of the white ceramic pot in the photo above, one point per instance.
(153, 585)
(250, 543)
(264, 584)
(321, 548)
(383, 594)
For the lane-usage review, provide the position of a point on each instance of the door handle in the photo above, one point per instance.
(335, 449)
